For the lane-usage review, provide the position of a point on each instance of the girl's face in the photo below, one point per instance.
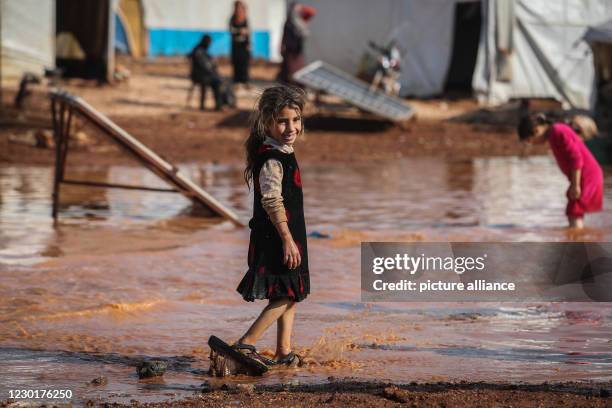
(287, 126)
(539, 135)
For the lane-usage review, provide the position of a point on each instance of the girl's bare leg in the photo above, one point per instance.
(268, 315)
(284, 326)
(576, 222)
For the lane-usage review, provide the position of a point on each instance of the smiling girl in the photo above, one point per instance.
(277, 257)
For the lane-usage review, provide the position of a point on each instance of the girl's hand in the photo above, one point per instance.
(574, 192)
(292, 257)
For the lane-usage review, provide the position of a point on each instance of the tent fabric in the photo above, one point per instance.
(601, 33)
(528, 48)
(130, 13)
(28, 32)
(122, 44)
(550, 57)
(423, 31)
(175, 27)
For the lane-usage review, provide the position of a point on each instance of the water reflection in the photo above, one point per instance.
(506, 198)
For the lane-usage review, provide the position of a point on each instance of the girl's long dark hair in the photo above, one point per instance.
(526, 127)
(270, 103)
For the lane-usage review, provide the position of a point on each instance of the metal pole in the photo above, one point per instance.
(122, 186)
(66, 136)
(59, 142)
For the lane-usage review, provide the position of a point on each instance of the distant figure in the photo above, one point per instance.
(204, 73)
(585, 191)
(292, 45)
(241, 45)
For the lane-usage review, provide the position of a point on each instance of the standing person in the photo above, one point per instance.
(277, 256)
(585, 191)
(241, 45)
(292, 44)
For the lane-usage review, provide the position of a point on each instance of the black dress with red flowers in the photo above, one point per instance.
(267, 276)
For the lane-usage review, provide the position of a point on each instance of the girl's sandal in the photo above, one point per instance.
(250, 351)
(291, 360)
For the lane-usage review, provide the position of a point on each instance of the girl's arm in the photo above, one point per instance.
(574, 190)
(568, 143)
(291, 254)
(270, 182)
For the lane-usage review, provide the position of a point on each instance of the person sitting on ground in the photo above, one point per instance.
(585, 175)
(204, 73)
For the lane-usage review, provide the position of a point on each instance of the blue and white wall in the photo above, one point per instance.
(174, 27)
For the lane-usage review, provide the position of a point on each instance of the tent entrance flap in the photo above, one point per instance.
(65, 105)
(466, 37)
(83, 44)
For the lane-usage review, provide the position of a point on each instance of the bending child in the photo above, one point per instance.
(585, 191)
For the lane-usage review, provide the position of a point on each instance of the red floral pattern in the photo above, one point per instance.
(297, 178)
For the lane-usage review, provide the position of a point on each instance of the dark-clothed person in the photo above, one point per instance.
(241, 45)
(204, 74)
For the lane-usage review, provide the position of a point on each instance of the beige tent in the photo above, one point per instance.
(131, 16)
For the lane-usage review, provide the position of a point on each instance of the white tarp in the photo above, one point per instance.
(423, 30)
(214, 15)
(550, 57)
(28, 35)
(600, 33)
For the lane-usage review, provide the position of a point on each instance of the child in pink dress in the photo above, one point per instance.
(585, 191)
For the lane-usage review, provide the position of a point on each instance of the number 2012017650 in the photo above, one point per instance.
(40, 394)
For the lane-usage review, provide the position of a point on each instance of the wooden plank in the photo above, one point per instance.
(149, 158)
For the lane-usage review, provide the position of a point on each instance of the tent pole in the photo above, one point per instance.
(1, 60)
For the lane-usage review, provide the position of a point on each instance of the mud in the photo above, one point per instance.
(154, 99)
(373, 394)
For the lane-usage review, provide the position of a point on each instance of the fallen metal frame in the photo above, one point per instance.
(63, 108)
(322, 76)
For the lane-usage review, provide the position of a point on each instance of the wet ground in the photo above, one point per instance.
(127, 275)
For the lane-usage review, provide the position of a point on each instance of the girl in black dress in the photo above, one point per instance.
(241, 45)
(277, 256)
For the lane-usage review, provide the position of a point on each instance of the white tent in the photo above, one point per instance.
(423, 29)
(550, 57)
(27, 36)
(527, 48)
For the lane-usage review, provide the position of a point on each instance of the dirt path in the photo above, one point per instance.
(151, 106)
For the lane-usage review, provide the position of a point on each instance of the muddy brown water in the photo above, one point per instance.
(127, 275)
